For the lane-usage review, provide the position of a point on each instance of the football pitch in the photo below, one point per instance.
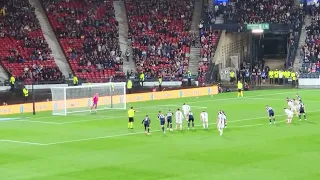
(99, 146)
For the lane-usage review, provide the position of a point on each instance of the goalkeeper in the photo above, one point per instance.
(95, 102)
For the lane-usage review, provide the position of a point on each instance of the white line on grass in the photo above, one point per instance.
(32, 121)
(21, 142)
(135, 133)
(146, 107)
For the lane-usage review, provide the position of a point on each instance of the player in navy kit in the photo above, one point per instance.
(190, 120)
(146, 122)
(162, 120)
(302, 111)
(169, 120)
(270, 114)
(298, 97)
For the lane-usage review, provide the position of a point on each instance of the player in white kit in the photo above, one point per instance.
(289, 114)
(186, 109)
(296, 107)
(220, 122)
(290, 104)
(204, 118)
(179, 118)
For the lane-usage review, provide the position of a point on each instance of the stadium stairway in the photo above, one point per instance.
(196, 15)
(297, 60)
(195, 51)
(50, 37)
(3, 75)
(194, 60)
(121, 17)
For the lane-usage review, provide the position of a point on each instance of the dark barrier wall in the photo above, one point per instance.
(236, 27)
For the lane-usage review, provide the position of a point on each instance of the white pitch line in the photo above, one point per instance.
(129, 134)
(21, 142)
(32, 121)
(195, 102)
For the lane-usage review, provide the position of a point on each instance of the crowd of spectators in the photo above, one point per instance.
(88, 33)
(159, 32)
(262, 11)
(23, 44)
(310, 51)
(208, 41)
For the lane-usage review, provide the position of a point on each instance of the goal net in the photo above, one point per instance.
(66, 100)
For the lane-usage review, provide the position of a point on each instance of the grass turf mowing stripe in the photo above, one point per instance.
(102, 118)
(196, 102)
(135, 133)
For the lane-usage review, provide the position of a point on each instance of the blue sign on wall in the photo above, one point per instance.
(220, 1)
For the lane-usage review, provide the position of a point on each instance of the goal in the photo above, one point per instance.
(74, 99)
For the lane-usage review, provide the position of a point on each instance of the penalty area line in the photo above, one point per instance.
(21, 142)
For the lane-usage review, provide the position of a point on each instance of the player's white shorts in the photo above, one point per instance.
(205, 120)
(179, 121)
(186, 114)
(296, 109)
(290, 116)
(220, 125)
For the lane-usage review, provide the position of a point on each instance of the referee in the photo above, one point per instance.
(131, 118)
(240, 89)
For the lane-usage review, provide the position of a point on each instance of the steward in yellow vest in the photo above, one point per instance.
(142, 78)
(25, 94)
(160, 83)
(294, 79)
(232, 77)
(281, 74)
(271, 76)
(75, 81)
(129, 86)
(276, 76)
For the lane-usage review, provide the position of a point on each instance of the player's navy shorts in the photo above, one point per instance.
(169, 119)
(239, 90)
(301, 111)
(146, 124)
(271, 114)
(191, 118)
(131, 119)
(162, 122)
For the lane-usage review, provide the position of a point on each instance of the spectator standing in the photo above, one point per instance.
(127, 55)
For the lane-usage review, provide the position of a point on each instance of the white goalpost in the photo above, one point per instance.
(73, 99)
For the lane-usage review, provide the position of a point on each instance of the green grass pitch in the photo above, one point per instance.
(99, 146)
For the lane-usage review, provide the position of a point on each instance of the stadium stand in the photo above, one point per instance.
(208, 40)
(260, 11)
(160, 38)
(310, 55)
(88, 34)
(294, 39)
(24, 52)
